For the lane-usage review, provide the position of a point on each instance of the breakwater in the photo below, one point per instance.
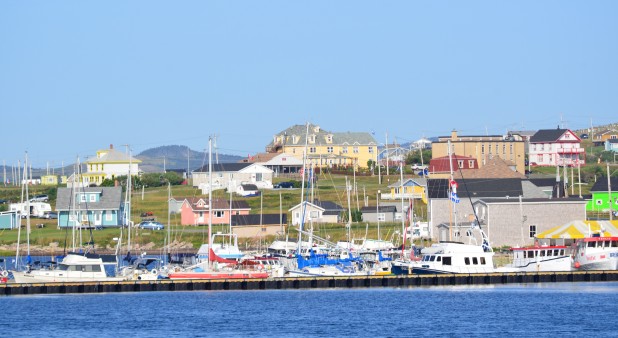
(307, 283)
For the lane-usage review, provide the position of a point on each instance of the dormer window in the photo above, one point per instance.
(295, 139)
(316, 129)
(329, 138)
(312, 138)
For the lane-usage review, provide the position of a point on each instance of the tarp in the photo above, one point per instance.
(581, 229)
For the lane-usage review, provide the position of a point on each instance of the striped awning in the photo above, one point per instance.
(581, 229)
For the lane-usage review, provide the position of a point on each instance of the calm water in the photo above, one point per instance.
(539, 310)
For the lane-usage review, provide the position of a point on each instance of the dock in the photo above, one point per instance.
(396, 281)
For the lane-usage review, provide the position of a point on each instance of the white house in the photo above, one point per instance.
(551, 147)
(231, 175)
(316, 212)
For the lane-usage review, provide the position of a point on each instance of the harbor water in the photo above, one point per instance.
(523, 310)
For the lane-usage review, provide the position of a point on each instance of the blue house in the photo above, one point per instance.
(9, 220)
(611, 145)
(92, 206)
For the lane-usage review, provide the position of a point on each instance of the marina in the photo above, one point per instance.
(391, 281)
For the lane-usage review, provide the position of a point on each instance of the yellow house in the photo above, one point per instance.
(325, 148)
(484, 148)
(410, 189)
(109, 163)
(49, 180)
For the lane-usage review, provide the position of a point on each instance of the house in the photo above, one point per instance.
(600, 196)
(608, 134)
(279, 163)
(90, 206)
(556, 147)
(611, 145)
(258, 225)
(49, 180)
(9, 220)
(442, 209)
(392, 155)
(174, 204)
(231, 175)
(325, 148)
(247, 190)
(441, 167)
(109, 164)
(483, 148)
(412, 188)
(493, 168)
(196, 211)
(382, 213)
(316, 212)
(514, 221)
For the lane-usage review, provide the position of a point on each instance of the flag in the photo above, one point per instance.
(454, 197)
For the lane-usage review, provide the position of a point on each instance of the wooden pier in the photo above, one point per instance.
(308, 283)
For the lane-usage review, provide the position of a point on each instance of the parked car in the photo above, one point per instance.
(39, 198)
(584, 136)
(151, 225)
(282, 185)
(50, 215)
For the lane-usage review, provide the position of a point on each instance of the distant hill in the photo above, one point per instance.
(175, 157)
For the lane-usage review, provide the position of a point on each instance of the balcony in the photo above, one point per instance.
(570, 151)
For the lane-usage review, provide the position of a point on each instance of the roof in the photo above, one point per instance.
(493, 168)
(110, 198)
(515, 200)
(327, 206)
(382, 208)
(338, 138)
(476, 188)
(601, 184)
(548, 135)
(257, 219)
(410, 182)
(219, 167)
(112, 155)
(581, 229)
(612, 140)
(217, 204)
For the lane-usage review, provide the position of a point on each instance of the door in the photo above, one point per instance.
(98, 217)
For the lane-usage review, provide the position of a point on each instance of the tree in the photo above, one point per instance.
(414, 157)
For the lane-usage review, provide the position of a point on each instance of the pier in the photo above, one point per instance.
(308, 283)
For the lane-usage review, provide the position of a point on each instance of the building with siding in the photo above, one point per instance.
(556, 147)
(90, 206)
(109, 164)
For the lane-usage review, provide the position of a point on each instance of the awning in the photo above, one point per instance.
(581, 229)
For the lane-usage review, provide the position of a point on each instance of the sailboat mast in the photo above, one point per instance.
(27, 204)
(209, 201)
(302, 192)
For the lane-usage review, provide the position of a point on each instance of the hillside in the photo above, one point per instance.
(175, 157)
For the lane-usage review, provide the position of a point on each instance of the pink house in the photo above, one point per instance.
(195, 211)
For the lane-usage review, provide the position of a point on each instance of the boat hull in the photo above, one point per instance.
(218, 275)
(52, 277)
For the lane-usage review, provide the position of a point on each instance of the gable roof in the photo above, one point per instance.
(217, 204)
(112, 155)
(326, 206)
(410, 182)
(338, 138)
(548, 135)
(493, 168)
(476, 188)
(110, 198)
(256, 219)
(601, 184)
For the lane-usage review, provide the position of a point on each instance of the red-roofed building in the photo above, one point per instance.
(441, 165)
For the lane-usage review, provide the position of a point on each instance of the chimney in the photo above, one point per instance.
(111, 146)
(454, 135)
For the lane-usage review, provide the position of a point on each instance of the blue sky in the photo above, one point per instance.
(76, 76)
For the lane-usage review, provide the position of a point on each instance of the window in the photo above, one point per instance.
(460, 163)
(482, 149)
(483, 261)
(311, 138)
(258, 177)
(467, 260)
(314, 214)
(219, 213)
(504, 148)
(312, 150)
(344, 150)
(355, 150)
(511, 148)
(599, 202)
(84, 217)
(370, 150)
(532, 231)
(93, 198)
(381, 217)
(471, 164)
(329, 138)
(446, 260)
(329, 150)
(475, 261)
(82, 198)
(109, 215)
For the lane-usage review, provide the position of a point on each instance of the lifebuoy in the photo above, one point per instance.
(5, 273)
(154, 271)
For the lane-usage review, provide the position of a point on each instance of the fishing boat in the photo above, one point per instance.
(596, 253)
(74, 267)
(454, 257)
(539, 258)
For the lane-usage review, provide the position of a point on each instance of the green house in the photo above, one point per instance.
(600, 196)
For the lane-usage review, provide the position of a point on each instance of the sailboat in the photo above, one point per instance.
(214, 267)
(74, 267)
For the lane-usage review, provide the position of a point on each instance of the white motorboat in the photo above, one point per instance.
(596, 253)
(73, 268)
(539, 258)
(453, 257)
